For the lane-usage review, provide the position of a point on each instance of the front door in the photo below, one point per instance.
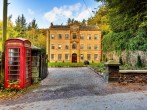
(74, 58)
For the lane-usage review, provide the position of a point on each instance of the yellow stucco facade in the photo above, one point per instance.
(74, 43)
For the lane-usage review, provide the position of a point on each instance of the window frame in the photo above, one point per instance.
(59, 36)
(88, 56)
(52, 58)
(95, 58)
(53, 36)
(96, 36)
(89, 37)
(66, 36)
(52, 46)
(59, 46)
(81, 56)
(59, 56)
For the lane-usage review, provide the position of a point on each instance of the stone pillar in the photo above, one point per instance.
(112, 71)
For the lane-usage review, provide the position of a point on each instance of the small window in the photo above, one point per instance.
(66, 36)
(82, 56)
(74, 36)
(88, 56)
(89, 47)
(95, 37)
(74, 46)
(52, 46)
(66, 47)
(81, 36)
(82, 46)
(52, 56)
(59, 56)
(95, 56)
(52, 36)
(95, 47)
(89, 37)
(66, 56)
(59, 36)
(59, 46)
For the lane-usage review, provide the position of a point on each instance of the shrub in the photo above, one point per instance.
(120, 60)
(139, 62)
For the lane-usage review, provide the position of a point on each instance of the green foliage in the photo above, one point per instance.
(128, 22)
(99, 67)
(101, 19)
(32, 25)
(21, 26)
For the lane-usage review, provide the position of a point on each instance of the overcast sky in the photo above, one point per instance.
(47, 11)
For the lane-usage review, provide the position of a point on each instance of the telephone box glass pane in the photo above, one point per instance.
(13, 64)
(28, 64)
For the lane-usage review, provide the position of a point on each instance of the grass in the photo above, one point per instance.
(65, 64)
(99, 67)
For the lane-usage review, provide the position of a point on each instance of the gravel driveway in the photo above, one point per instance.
(76, 89)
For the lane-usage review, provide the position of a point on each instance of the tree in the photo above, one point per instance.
(128, 23)
(101, 19)
(32, 25)
(69, 21)
(21, 26)
(84, 22)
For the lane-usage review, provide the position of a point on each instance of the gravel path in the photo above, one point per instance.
(76, 89)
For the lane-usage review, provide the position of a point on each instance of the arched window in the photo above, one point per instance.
(74, 46)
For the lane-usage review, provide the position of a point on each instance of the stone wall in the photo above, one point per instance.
(128, 57)
(133, 76)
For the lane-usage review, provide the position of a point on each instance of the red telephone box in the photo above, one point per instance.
(17, 63)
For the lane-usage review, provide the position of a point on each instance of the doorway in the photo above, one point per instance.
(74, 58)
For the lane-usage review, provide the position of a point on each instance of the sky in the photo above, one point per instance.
(47, 11)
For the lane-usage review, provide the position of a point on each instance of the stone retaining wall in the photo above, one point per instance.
(133, 76)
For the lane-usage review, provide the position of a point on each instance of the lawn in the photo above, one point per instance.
(65, 64)
(96, 66)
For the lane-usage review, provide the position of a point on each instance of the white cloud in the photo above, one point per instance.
(30, 11)
(61, 14)
(85, 14)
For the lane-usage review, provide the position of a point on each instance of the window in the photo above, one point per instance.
(74, 36)
(95, 37)
(82, 56)
(81, 36)
(82, 46)
(88, 47)
(52, 56)
(52, 36)
(95, 47)
(88, 56)
(66, 47)
(66, 36)
(52, 46)
(59, 46)
(95, 56)
(59, 56)
(89, 37)
(59, 36)
(74, 46)
(66, 56)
